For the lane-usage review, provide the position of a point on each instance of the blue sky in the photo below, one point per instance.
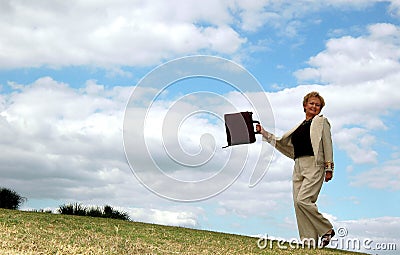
(68, 69)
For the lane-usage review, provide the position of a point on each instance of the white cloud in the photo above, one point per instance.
(103, 34)
(177, 217)
(394, 8)
(361, 59)
(138, 33)
(64, 139)
(386, 176)
(360, 148)
(66, 144)
(381, 227)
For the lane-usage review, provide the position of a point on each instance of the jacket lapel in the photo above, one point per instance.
(316, 133)
(288, 134)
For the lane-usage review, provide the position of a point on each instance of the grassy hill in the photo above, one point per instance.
(45, 233)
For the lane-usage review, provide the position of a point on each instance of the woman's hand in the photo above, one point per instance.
(259, 128)
(328, 176)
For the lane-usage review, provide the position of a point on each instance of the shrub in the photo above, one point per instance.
(9, 199)
(72, 209)
(79, 210)
(106, 212)
(42, 210)
(66, 209)
(109, 212)
(94, 212)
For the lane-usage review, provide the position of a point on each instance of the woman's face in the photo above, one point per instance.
(312, 107)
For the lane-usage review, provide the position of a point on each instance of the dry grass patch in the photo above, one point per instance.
(45, 233)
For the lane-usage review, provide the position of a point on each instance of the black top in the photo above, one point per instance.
(301, 140)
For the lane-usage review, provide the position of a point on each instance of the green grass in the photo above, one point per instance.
(46, 233)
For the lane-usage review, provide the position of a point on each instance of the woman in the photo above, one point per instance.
(310, 145)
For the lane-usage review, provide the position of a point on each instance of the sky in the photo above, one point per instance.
(103, 102)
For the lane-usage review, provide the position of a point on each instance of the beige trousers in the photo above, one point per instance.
(307, 183)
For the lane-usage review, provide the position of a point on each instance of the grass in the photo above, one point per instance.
(46, 233)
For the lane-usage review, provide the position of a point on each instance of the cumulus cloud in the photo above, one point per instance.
(360, 151)
(65, 143)
(357, 59)
(394, 8)
(63, 139)
(124, 33)
(177, 217)
(386, 176)
(140, 33)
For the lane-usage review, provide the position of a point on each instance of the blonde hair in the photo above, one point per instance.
(314, 94)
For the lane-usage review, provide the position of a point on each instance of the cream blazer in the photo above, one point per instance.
(321, 141)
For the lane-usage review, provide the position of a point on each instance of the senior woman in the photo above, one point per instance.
(310, 145)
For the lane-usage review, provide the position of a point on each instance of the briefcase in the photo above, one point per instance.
(240, 128)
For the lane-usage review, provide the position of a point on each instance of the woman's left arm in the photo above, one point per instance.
(328, 150)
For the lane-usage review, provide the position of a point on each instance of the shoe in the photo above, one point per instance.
(326, 239)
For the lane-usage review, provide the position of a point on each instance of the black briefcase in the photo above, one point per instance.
(240, 128)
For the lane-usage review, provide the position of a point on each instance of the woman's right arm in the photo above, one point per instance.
(282, 144)
(266, 135)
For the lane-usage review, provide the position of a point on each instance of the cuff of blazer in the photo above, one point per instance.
(329, 166)
(268, 137)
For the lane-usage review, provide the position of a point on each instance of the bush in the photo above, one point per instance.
(9, 199)
(94, 212)
(109, 212)
(66, 209)
(42, 210)
(79, 210)
(72, 209)
(106, 212)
